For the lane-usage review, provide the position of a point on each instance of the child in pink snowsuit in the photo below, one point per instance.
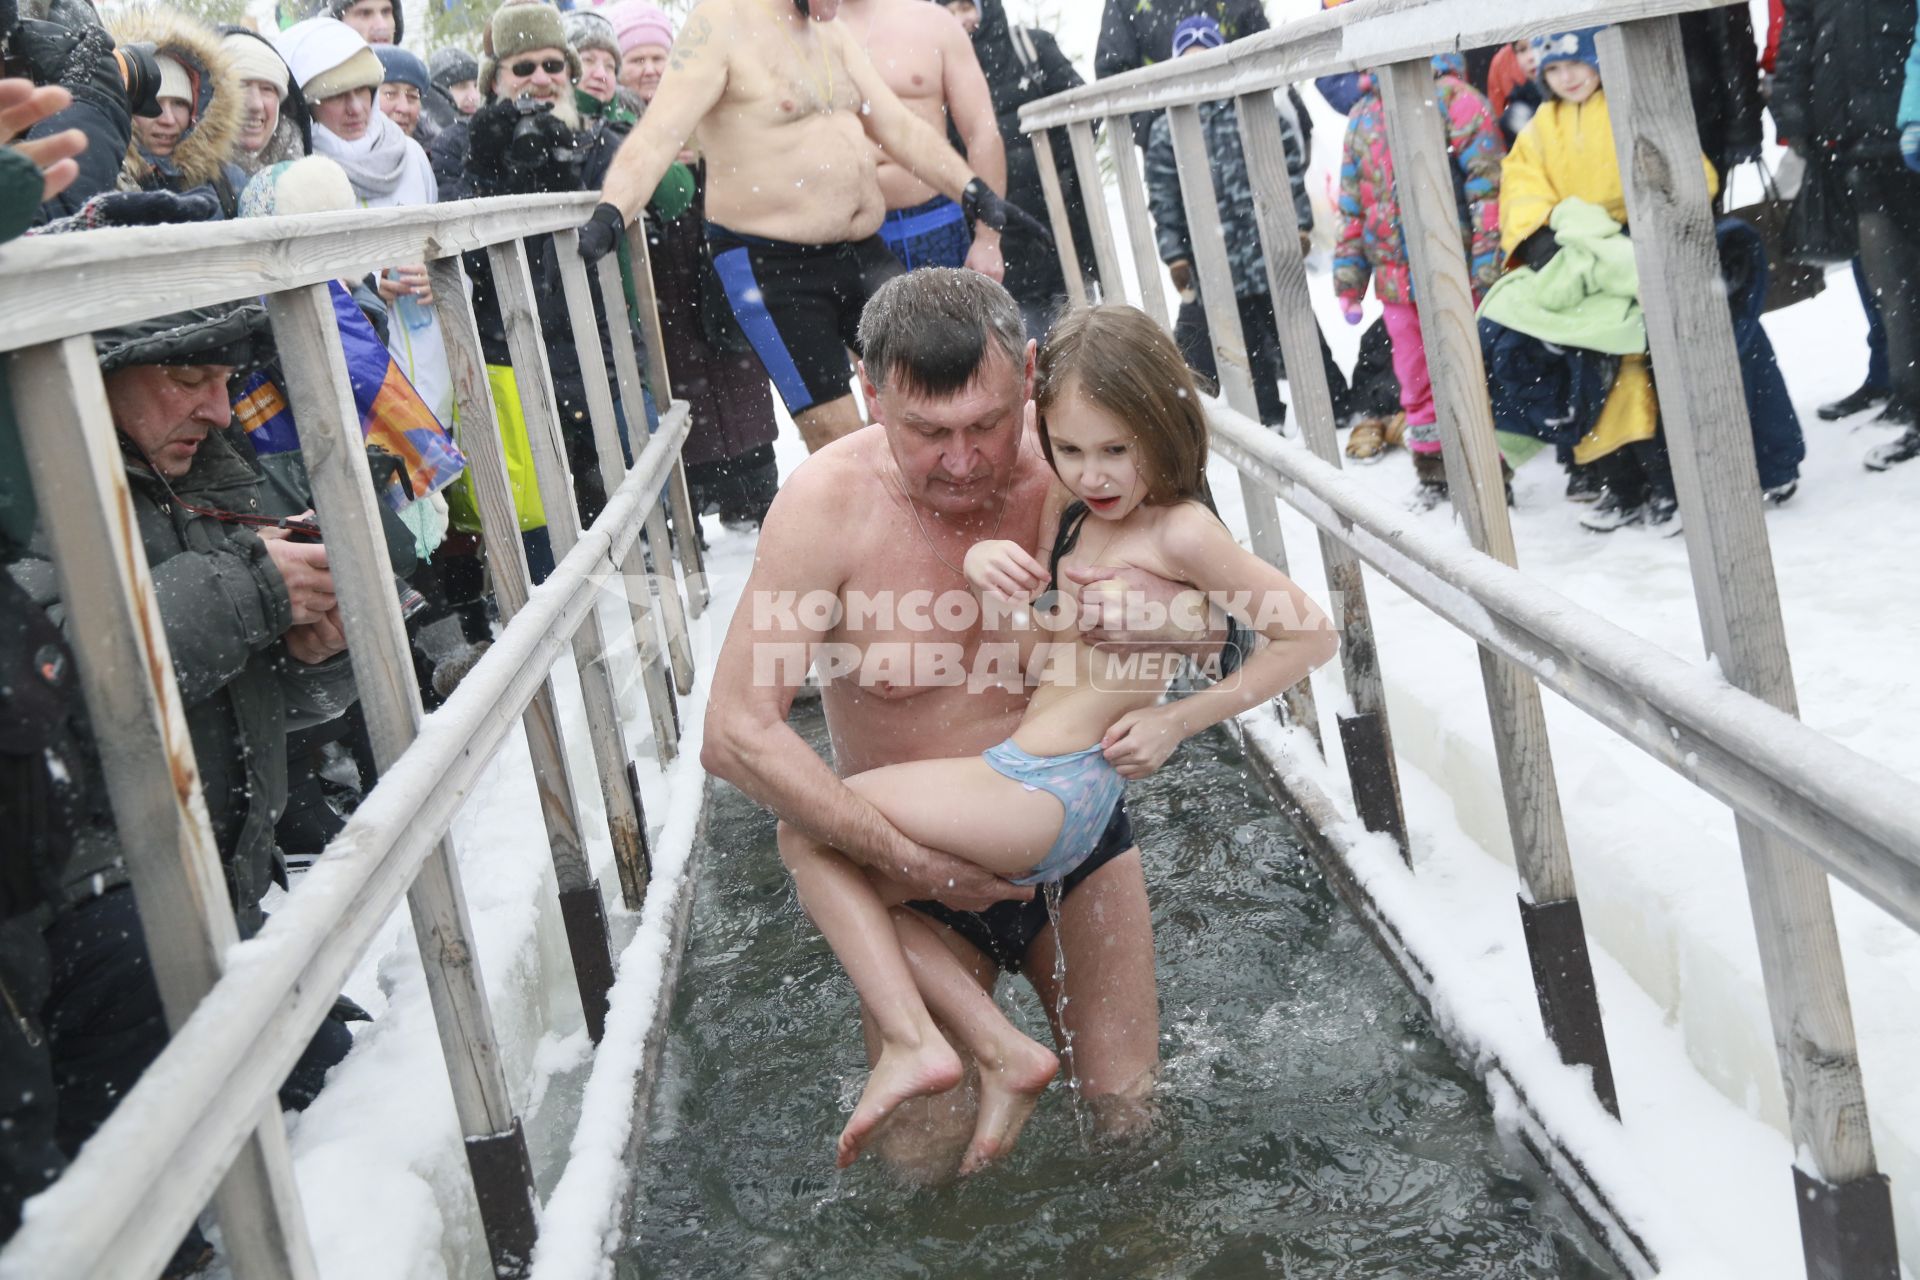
(1372, 246)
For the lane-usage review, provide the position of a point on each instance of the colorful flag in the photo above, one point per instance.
(393, 417)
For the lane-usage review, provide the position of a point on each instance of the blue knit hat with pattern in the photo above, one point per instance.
(1567, 46)
(1200, 30)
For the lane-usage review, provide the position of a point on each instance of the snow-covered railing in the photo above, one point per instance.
(204, 1122)
(1804, 805)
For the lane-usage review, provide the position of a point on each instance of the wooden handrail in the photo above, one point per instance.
(1353, 37)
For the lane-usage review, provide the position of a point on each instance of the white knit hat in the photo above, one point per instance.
(328, 58)
(254, 59)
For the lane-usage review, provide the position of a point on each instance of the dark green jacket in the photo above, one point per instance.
(224, 608)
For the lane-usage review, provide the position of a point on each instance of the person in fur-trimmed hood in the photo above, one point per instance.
(193, 140)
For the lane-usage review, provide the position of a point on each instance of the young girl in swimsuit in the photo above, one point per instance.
(1119, 419)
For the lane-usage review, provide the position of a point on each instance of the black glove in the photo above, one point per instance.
(78, 58)
(1537, 250)
(518, 147)
(601, 232)
(151, 208)
(982, 205)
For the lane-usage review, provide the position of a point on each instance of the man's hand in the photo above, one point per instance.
(315, 642)
(1182, 273)
(986, 208)
(985, 256)
(1131, 608)
(21, 107)
(601, 232)
(953, 882)
(303, 567)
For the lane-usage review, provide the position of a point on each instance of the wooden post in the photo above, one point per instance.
(1365, 735)
(642, 587)
(630, 851)
(1086, 166)
(1133, 201)
(307, 337)
(153, 782)
(1057, 217)
(672, 612)
(1230, 356)
(684, 517)
(1845, 1204)
(581, 906)
(1549, 909)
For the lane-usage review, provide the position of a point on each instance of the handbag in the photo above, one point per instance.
(1788, 280)
(1822, 227)
(511, 419)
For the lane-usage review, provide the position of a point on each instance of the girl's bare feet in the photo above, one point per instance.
(1009, 1088)
(903, 1071)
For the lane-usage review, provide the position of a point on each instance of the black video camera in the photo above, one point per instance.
(63, 42)
(541, 140)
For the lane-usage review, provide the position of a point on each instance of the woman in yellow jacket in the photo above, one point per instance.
(1567, 151)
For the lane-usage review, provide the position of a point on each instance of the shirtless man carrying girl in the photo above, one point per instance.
(1119, 419)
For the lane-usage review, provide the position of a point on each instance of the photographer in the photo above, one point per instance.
(529, 137)
(254, 632)
(63, 43)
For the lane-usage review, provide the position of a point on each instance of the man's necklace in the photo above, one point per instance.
(913, 509)
(805, 63)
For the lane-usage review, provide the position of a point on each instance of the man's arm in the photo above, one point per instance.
(970, 106)
(696, 77)
(767, 651)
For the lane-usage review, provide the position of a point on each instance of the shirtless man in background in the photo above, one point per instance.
(787, 108)
(924, 55)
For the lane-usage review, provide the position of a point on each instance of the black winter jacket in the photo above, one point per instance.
(224, 608)
(1723, 72)
(1837, 83)
(1137, 33)
(482, 175)
(1033, 269)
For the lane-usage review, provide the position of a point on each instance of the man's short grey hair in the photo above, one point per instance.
(928, 332)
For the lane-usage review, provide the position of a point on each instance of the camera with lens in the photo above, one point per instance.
(542, 145)
(63, 42)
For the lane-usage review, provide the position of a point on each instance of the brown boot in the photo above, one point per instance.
(1372, 437)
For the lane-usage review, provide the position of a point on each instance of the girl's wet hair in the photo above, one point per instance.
(1124, 362)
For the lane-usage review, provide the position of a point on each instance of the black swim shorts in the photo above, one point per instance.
(1005, 930)
(934, 234)
(800, 305)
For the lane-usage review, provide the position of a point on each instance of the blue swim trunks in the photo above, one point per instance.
(1087, 788)
(933, 234)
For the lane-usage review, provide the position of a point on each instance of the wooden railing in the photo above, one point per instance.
(204, 1122)
(1804, 805)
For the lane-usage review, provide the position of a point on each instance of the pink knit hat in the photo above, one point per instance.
(636, 22)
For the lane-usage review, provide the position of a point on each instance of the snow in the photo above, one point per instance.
(1701, 1163)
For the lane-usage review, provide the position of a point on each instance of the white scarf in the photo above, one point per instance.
(377, 162)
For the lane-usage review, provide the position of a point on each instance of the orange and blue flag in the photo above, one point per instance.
(393, 417)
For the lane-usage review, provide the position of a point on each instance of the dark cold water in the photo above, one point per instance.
(1312, 1124)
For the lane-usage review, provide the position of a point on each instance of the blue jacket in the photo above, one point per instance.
(1549, 392)
(1778, 445)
